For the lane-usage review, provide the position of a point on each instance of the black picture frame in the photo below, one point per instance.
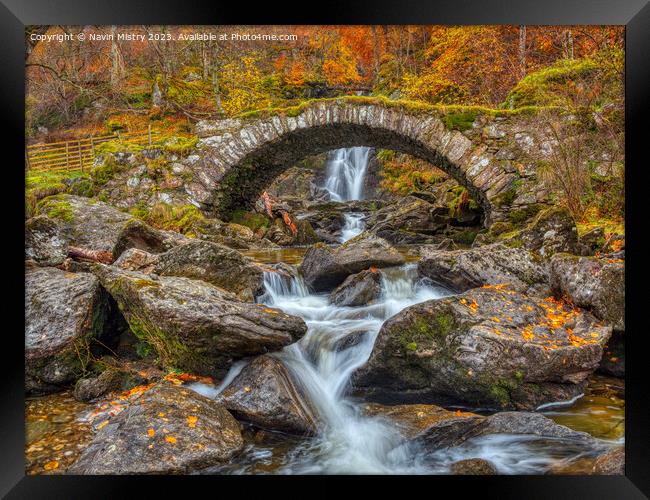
(634, 14)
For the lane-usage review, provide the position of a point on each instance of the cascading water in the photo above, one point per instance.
(338, 341)
(346, 171)
(354, 226)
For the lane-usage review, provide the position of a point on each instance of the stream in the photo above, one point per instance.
(337, 342)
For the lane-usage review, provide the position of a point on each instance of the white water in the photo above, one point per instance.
(346, 171)
(348, 441)
(354, 226)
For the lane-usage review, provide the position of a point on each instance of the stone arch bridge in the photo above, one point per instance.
(489, 152)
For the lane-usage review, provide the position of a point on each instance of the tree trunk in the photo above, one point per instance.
(522, 51)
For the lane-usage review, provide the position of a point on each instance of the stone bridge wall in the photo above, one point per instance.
(490, 153)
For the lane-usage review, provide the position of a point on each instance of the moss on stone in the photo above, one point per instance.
(460, 121)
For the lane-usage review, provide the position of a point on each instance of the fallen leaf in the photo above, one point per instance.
(51, 465)
(170, 439)
(191, 421)
(151, 432)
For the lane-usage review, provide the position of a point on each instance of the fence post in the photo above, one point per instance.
(81, 161)
(92, 148)
(67, 156)
(150, 134)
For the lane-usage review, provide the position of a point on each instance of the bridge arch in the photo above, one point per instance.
(241, 157)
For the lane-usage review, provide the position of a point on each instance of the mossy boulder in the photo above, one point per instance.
(489, 346)
(552, 230)
(492, 264)
(593, 283)
(215, 264)
(193, 325)
(324, 268)
(166, 430)
(64, 312)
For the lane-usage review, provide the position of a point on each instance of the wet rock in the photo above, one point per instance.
(324, 268)
(416, 420)
(613, 362)
(552, 231)
(486, 265)
(488, 347)
(282, 234)
(473, 467)
(409, 220)
(597, 284)
(135, 259)
(215, 264)
(63, 312)
(326, 224)
(194, 325)
(234, 236)
(266, 394)
(358, 289)
(167, 430)
(44, 243)
(611, 462)
(87, 389)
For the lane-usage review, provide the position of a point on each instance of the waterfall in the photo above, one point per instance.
(354, 225)
(346, 171)
(348, 441)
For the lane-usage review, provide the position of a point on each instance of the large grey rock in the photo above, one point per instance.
(166, 430)
(487, 347)
(553, 230)
(437, 428)
(135, 259)
(63, 312)
(266, 394)
(44, 243)
(194, 325)
(358, 289)
(473, 467)
(407, 221)
(213, 263)
(324, 268)
(486, 265)
(597, 284)
(94, 225)
(611, 462)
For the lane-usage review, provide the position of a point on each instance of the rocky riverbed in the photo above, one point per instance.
(349, 335)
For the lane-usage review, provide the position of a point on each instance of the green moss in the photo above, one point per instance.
(56, 208)
(184, 219)
(465, 237)
(541, 87)
(422, 329)
(180, 145)
(460, 121)
(409, 106)
(522, 215)
(252, 220)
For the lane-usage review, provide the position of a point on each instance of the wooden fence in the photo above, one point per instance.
(79, 155)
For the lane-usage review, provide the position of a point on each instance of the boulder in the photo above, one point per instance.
(63, 312)
(44, 243)
(135, 259)
(409, 220)
(324, 268)
(613, 362)
(87, 389)
(594, 283)
(265, 394)
(96, 226)
(485, 265)
(215, 264)
(553, 230)
(358, 289)
(473, 467)
(283, 235)
(489, 346)
(194, 325)
(592, 241)
(435, 428)
(416, 420)
(167, 430)
(611, 462)
(327, 224)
